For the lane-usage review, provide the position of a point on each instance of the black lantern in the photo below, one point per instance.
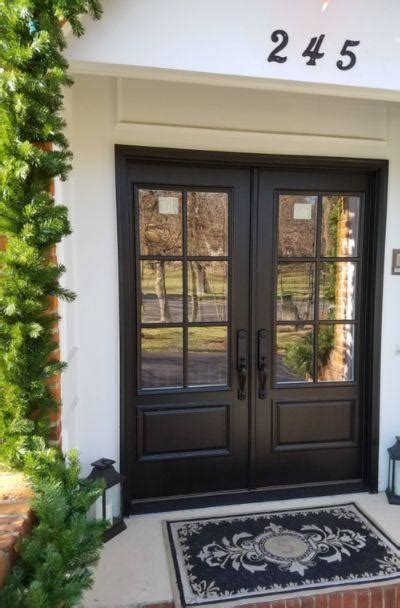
(109, 505)
(393, 489)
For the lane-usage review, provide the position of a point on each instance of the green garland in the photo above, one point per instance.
(54, 565)
(33, 74)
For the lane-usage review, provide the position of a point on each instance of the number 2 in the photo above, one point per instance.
(346, 53)
(273, 56)
(312, 51)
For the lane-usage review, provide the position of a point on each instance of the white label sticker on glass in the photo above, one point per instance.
(302, 211)
(168, 205)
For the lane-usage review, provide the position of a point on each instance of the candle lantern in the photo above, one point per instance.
(109, 505)
(393, 489)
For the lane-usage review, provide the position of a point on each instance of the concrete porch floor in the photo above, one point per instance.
(133, 568)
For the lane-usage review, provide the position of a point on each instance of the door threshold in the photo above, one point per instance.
(177, 503)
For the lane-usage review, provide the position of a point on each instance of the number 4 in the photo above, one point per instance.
(312, 51)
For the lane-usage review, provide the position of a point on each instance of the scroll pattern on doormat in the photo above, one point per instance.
(292, 552)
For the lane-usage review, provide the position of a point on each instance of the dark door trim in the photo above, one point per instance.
(377, 171)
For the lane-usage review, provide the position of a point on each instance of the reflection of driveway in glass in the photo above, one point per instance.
(161, 370)
(211, 308)
(284, 373)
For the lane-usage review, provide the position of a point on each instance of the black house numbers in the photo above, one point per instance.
(313, 52)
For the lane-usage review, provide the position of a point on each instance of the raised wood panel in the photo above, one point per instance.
(170, 432)
(266, 111)
(313, 424)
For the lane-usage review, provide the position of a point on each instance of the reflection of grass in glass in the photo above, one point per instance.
(162, 340)
(173, 278)
(207, 339)
(295, 290)
(201, 339)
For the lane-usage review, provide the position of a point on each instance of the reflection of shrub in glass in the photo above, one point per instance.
(299, 354)
(326, 339)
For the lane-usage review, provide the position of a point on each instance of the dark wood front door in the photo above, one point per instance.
(244, 328)
(310, 293)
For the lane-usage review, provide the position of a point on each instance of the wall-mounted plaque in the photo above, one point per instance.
(396, 261)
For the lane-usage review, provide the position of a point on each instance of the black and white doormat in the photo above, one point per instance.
(237, 559)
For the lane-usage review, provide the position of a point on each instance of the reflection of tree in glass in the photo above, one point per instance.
(207, 228)
(160, 233)
(161, 291)
(207, 223)
(296, 236)
(295, 291)
(208, 290)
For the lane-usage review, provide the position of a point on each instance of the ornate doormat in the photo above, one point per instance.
(219, 561)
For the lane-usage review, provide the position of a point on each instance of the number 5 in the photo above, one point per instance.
(346, 53)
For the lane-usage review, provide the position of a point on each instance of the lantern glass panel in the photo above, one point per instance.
(113, 504)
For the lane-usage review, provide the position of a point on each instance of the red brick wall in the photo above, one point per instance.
(16, 517)
(385, 596)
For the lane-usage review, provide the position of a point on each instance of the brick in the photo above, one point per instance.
(389, 594)
(278, 604)
(377, 597)
(11, 480)
(363, 598)
(293, 603)
(15, 494)
(4, 567)
(321, 601)
(7, 541)
(349, 599)
(335, 600)
(15, 508)
(307, 601)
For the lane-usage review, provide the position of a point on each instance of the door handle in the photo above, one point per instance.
(262, 362)
(242, 365)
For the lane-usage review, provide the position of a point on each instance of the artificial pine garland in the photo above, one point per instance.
(53, 568)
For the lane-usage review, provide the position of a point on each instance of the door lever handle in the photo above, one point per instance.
(242, 369)
(262, 362)
(242, 366)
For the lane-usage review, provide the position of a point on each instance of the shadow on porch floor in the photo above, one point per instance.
(133, 569)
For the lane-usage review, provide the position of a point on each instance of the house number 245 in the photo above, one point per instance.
(313, 50)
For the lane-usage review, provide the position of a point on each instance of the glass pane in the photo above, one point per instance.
(160, 222)
(335, 359)
(295, 291)
(294, 353)
(207, 216)
(162, 358)
(297, 229)
(208, 289)
(208, 356)
(340, 226)
(337, 290)
(161, 288)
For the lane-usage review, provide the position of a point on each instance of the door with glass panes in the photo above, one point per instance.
(310, 301)
(244, 323)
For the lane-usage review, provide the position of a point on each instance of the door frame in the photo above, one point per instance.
(377, 179)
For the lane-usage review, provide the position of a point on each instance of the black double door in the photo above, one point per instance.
(245, 328)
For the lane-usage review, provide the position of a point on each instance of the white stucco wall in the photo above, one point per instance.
(233, 39)
(103, 111)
